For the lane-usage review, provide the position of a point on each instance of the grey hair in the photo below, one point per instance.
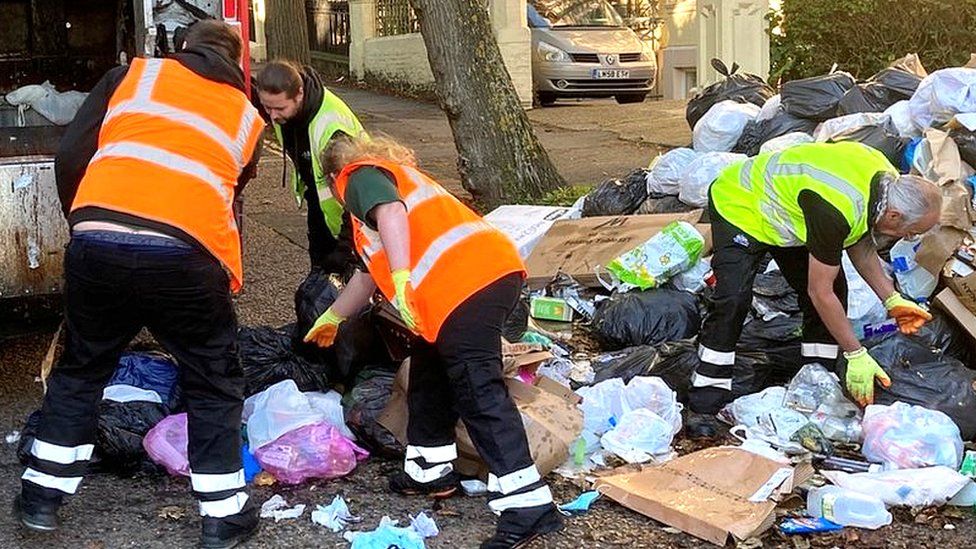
(910, 195)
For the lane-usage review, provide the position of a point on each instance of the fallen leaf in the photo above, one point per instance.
(751, 543)
(172, 512)
(264, 478)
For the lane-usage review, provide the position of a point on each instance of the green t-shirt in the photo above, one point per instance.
(367, 188)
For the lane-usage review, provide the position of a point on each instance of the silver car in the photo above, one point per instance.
(581, 48)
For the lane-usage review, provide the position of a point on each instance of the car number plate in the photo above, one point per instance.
(610, 73)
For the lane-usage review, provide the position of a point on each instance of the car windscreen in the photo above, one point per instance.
(572, 13)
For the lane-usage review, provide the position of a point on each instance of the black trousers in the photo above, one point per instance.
(325, 251)
(460, 376)
(116, 284)
(736, 261)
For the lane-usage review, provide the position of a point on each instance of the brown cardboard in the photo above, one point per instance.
(948, 302)
(957, 206)
(552, 386)
(964, 288)
(937, 247)
(707, 493)
(552, 424)
(581, 248)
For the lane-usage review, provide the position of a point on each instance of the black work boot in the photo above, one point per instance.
(442, 488)
(37, 517)
(517, 528)
(227, 532)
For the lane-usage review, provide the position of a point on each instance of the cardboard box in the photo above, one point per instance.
(710, 494)
(525, 225)
(550, 308)
(582, 248)
(552, 423)
(954, 307)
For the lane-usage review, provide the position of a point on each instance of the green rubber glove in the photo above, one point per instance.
(323, 332)
(910, 315)
(862, 370)
(403, 300)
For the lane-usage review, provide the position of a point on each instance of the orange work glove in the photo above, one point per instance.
(910, 315)
(323, 332)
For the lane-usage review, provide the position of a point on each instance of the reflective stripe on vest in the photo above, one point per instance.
(165, 159)
(453, 252)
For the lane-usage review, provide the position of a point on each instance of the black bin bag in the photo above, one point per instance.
(646, 318)
(816, 98)
(617, 196)
(739, 87)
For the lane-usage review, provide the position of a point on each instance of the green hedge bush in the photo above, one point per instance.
(864, 36)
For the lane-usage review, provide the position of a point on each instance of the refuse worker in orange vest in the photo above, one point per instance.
(148, 172)
(454, 279)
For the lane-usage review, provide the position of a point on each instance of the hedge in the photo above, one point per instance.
(864, 36)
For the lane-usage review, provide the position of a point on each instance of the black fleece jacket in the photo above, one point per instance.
(80, 140)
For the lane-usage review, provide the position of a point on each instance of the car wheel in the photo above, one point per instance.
(626, 98)
(545, 99)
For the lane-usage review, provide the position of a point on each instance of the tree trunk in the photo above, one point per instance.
(287, 31)
(500, 158)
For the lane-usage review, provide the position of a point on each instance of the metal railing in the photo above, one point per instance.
(395, 17)
(328, 26)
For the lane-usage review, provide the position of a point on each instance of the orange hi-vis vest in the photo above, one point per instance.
(171, 148)
(454, 253)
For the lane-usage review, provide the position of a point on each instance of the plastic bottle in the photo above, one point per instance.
(903, 255)
(916, 283)
(847, 508)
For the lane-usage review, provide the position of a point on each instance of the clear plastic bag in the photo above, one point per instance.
(700, 175)
(652, 393)
(312, 451)
(901, 436)
(166, 444)
(901, 117)
(943, 94)
(926, 487)
(719, 130)
(666, 170)
(640, 436)
(282, 408)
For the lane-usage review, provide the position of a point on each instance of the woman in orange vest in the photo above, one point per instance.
(454, 279)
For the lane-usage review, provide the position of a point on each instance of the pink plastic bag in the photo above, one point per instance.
(312, 451)
(166, 445)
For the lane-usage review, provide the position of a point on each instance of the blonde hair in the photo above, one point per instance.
(347, 150)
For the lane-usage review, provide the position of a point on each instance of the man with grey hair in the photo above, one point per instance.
(805, 205)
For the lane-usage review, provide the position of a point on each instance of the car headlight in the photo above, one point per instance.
(552, 53)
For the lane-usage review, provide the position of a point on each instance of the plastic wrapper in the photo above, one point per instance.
(943, 94)
(721, 127)
(671, 251)
(311, 451)
(647, 318)
(740, 87)
(700, 175)
(363, 406)
(817, 97)
(665, 173)
(166, 444)
(617, 196)
(902, 436)
(757, 133)
(785, 141)
(267, 358)
(921, 374)
(693, 279)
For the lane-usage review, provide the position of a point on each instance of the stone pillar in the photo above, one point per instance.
(259, 42)
(509, 21)
(362, 27)
(678, 58)
(733, 31)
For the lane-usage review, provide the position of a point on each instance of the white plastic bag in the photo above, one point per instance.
(652, 393)
(640, 436)
(602, 405)
(864, 307)
(901, 119)
(26, 95)
(60, 108)
(943, 94)
(785, 141)
(770, 108)
(842, 124)
(666, 170)
(282, 408)
(908, 437)
(330, 406)
(722, 125)
(700, 174)
(746, 410)
(907, 487)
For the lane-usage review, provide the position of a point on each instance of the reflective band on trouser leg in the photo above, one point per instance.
(204, 483)
(534, 498)
(68, 485)
(65, 455)
(720, 358)
(506, 484)
(419, 474)
(224, 507)
(715, 369)
(819, 350)
(433, 454)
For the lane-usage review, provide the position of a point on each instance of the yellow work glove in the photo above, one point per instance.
(910, 315)
(323, 332)
(403, 300)
(862, 370)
